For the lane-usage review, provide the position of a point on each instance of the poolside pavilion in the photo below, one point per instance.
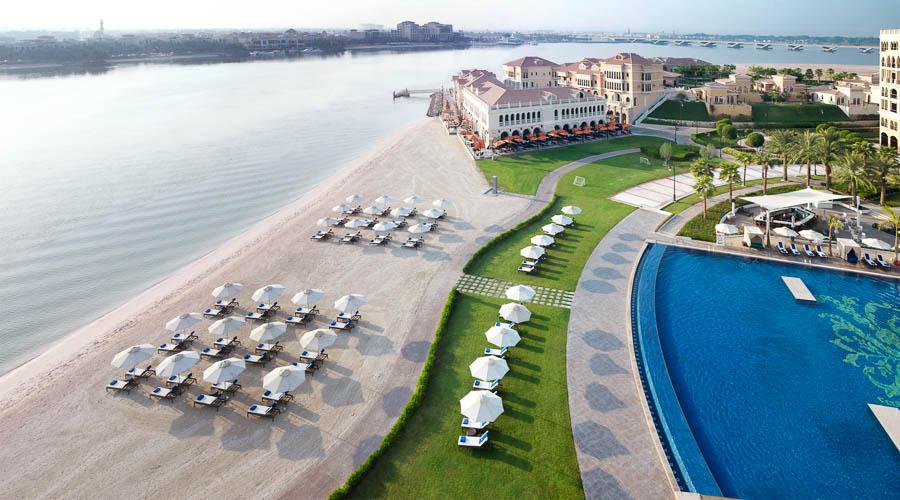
(808, 197)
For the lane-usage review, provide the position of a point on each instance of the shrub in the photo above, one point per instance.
(755, 140)
(728, 132)
(680, 152)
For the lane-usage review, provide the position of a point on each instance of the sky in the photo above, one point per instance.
(776, 17)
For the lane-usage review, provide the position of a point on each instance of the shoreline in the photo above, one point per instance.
(860, 69)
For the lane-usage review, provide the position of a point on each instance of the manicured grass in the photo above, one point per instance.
(702, 229)
(531, 452)
(713, 137)
(767, 112)
(693, 111)
(692, 199)
(523, 173)
(563, 266)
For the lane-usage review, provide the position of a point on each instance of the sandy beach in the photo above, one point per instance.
(859, 69)
(64, 436)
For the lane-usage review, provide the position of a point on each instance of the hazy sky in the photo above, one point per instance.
(857, 18)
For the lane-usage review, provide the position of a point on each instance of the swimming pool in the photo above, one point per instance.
(760, 396)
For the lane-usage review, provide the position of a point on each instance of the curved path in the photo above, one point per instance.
(548, 184)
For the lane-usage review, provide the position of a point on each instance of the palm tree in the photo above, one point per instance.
(885, 164)
(851, 168)
(893, 219)
(744, 159)
(705, 188)
(808, 151)
(819, 73)
(708, 152)
(833, 224)
(781, 145)
(763, 159)
(728, 172)
(701, 166)
(830, 146)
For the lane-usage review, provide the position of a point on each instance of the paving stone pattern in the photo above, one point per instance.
(481, 285)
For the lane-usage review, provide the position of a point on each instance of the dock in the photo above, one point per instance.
(889, 418)
(798, 289)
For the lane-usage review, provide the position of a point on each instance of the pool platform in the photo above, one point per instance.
(798, 289)
(889, 418)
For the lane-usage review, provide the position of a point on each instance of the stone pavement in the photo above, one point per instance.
(491, 287)
(618, 450)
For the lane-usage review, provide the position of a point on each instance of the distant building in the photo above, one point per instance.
(409, 31)
(889, 87)
(530, 72)
(853, 97)
(730, 96)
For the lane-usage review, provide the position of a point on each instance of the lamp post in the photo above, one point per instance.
(680, 117)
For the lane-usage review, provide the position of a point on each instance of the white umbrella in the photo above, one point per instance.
(419, 229)
(532, 252)
(183, 321)
(876, 243)
(520, 293)
(373, 210)
(226, 370)
(562, 220)
(488, 368)
(401, 212)
(356, 223)
(307, 297)
(268, 331)
(553, 229)
(726, 229)
(177, 363)
(350, 302)
(481, 406)
(268, 293)
(227, 290)
(316, 340)
(328, 221)
(812, 235)
(442, 203)
(542, 240)
(384, 200)
(412, 200)
(353, 198)
(786, 232)
(571, 210)
(227, 325)
(342, 208)
(129, 358)
(502, 336)
(284, 378)
(384, 226)
(517, 313)
(433, 213)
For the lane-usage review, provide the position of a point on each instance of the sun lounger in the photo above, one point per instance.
(794, 249)
(270, 348)
(413, 242)
(221, 342)
(355, 316)
(820, 252)
(306, 310)
(178, 346)
(227, 387)
(341, 325)
(181, 380)
(500, 353)
(781, 248)
(473, 441)
(469, 424)
(209, 352)
(210, 400)
(884, 264)
(256, 316)
(508, 325)
(322, 235)
(399, 222)
(268, 308)
(257, 359)
(277, 397)
(124, 385)
(869, 262)
(351, 237)
(313, 356)
(381, 239)
(298, 320)
(352, 211)
(308, 367)
(214, 312)
(263, 411)
(184, 337)
(140, 372)
(486, 386)
(226, 304)
(808, 251)
(163, 393)
(526, 269)
(530, 263)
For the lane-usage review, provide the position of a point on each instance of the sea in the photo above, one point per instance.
(112, 179)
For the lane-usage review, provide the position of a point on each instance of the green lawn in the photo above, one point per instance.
(564, 263)
(712, 137)
(692, 111)
(523, 173)
(767, 112)
(700, 228)
(532, 453)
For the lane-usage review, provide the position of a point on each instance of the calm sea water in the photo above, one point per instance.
(110, 181)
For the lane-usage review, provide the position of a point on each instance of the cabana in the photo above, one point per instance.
(803, 197)
(753, 237)
(849, 250)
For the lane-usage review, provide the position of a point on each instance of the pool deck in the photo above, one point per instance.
(618, 450)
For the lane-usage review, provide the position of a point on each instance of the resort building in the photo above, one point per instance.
(530, 72)
(889, 86)
(853, 97)
(730, 96)
(785, 85)
(495, 110)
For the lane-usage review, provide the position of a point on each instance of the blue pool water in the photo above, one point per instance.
(774, 393)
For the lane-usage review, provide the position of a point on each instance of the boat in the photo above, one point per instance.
(764, 46)
(866, 50)
(708, 44)
(795, 47)
(682, 43)
(735, 45)
(828, 49)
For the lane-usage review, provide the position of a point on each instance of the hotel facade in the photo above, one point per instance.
(889, 88)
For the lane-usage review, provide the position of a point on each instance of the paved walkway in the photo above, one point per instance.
(482, 285)
(618, 450)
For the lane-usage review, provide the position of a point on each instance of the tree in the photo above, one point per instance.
(808, 75)
(819, 73)
(755, 140)
(834, 224)
(665, 152)
(704, 187)
(728, 172)
(781, 145)
(893, 220)
(708, 152)
(851, 168)
(830, 73)
(744, 159)
(808, 151)
(701, 166)
(727, 133)
(885, 165)
(830, 146)
(763, 159)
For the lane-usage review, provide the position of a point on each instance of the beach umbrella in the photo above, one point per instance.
(520, 293)
(316, 340)
(442, 203)
(342, 208)
(268, 331)
(481, 406)
(433, 213)
(177, 363)
(419, 229)
(307, 297)
(328, 221)
(268, 293)
(532, 252)
(129, 358)
(356, 223)
(353, 198)
(284, 378)
(812, 235)
(517, 313)
(225, 326)
(384, 226)
(401, 212)
(373, 210)
(562, 220)
(384, 200)
(502, 336)
(488, 368)
(412, 200)
(227, 290)
(876, 243)
(553, 229)
(183, 321)
(786, 232)
(350, 302)
(571, 210)
(225, 370)
(542, 240)
(726, 229)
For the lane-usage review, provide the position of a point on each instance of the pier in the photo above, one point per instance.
(409, 93)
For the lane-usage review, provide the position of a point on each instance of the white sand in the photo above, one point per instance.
(63, 435)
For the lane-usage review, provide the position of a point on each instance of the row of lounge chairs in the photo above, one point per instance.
(809, 251)
(877, 262)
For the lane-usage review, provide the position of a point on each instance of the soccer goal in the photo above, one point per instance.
(645, 160)
(579, 181)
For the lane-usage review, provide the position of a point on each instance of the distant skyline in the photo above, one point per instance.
(761, 17)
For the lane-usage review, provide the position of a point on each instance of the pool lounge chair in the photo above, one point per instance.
(263, 411)
(257, 359)
(214, 312)
(184, 337)
(226, 387)
(124, 385)
(341, 325)
(269, 348)
(164, 393)
(322, 235)
(473, 441)
(277, 397)
(256, 315)
(500, 353)
(869, 262)
(469, 424)
(820, 252)
(486, 386)
(222, 342)
(177, 346)
(883, 263)
(140, 372)
(210, 400)
(809, 251)
(781, 248)
(794, 249)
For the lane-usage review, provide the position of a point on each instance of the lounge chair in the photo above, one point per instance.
(140, 372)
(343, 316)
(781, 248)
(809, 251)
(381, 239)
(228, 388)
(227, 304)
(181, 380)
(486, 386)
(500, 353)
(306, 310)
(794, 249)
(270, 348)
(432, 226)
(351, 237)
(222, 342)
(322, 235)
(209, 352)
(308, 367)
(184, 337)
(341, 325)
(298, 320)
(177, 346)
(257, 359)
(268, 308)
(507, 325)
(526, 269)
(277, 397)
(413, 242)
(214, 312)
(473, 441)
(125, 385)
(820, 252)
(469, 424)
(530, 262)
(263, 411)
(399, 222)
(163, 393)
(869, 262)
(255, 315)
(210, 400)
(313, 356)
(884, 264)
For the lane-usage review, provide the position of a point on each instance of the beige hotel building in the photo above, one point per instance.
(890, 87)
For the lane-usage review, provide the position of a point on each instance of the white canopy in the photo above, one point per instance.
(794, 199)
(177, 363)
(481, 406)
(520, 293)
(268, 331)
(502, 336)
(284, 378)
(727, 229)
